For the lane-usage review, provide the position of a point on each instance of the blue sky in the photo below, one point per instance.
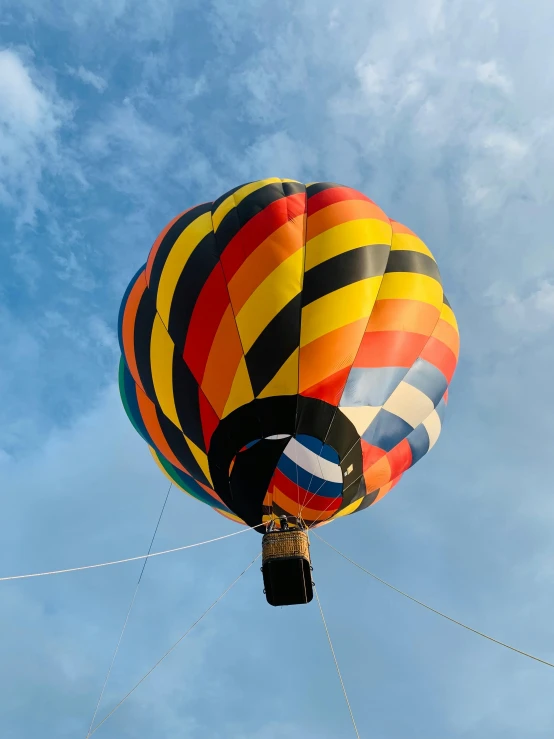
(114, 116)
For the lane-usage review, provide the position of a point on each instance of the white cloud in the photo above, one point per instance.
(489, 74)
(89, 78)
(531, 313)
(31, 117)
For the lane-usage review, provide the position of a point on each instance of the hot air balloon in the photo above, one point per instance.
(286, 355)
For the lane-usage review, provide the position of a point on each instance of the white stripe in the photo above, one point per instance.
(313, 463)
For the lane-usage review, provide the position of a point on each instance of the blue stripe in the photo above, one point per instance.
(318, 447)
(419, 443)
(386, 431)
(371, 385)
(311, 483)
(426, 377)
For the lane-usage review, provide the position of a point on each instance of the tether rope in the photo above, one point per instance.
(130, 559)
(434, 610)
(107, 678)
(336, 663)
(171, 649)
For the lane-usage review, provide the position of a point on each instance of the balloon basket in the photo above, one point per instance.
(286, 568)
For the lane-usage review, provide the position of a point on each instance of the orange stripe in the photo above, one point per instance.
(448, 335)
(403, 315)
(281, 244)
(308, 514)
(341, 212)
(223, 360)
(387, 488)
(150, 420)
(377, 475)
(330, 353)
(230, 516)
(211, 492)
(400, 228)
(128, 326)
(390, 349)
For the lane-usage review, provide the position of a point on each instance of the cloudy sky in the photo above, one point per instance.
(116, 115)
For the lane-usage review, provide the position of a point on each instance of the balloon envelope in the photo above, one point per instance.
(287, 349)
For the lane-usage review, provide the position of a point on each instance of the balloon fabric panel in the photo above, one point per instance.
(287, 349)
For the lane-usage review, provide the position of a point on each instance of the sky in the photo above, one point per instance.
(115, 115)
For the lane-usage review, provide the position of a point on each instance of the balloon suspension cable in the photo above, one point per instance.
(336, 663)
(131, 559)
(171, 649)
(434, 610)
(131, 605)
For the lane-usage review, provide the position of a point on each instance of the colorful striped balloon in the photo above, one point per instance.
(287, 349)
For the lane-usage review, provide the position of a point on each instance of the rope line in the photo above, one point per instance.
(128, 616)
(171, 649)
(434, 610)
(130, 559)
(336, 663)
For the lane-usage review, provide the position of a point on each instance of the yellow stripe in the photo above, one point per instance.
(201, 458)
(337, 309)
(161, 364)
(269, 298)
(407, 242)
(230, 516)
(285, 382)
(238, 196)
(411, 286)
(344, 237)
(176, 261)
(447, 314)
(241, 390)
(349, 508)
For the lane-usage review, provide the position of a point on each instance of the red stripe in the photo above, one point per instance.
(301, 496)
(389, 349)
(208, 418)
(258, 228)
(206, 317)
(440, 356)
(400, 458)
(370, 454)
(331, 389)
(334, 195)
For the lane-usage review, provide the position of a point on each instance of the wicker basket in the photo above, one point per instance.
(285, 544)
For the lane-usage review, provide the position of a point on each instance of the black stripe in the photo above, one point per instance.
(251, 206)
(344, 269)
(352, 491)
(277, 415)
(250, 478)
(180, 448)
(274, 345)
(313, 417)
(368, 500)
(185, 393)
(144, 322)
(170, 238)
(445, 301)
(222, 198)
(198, 268)
(318, 187)
(413, 261)
(344, 438)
